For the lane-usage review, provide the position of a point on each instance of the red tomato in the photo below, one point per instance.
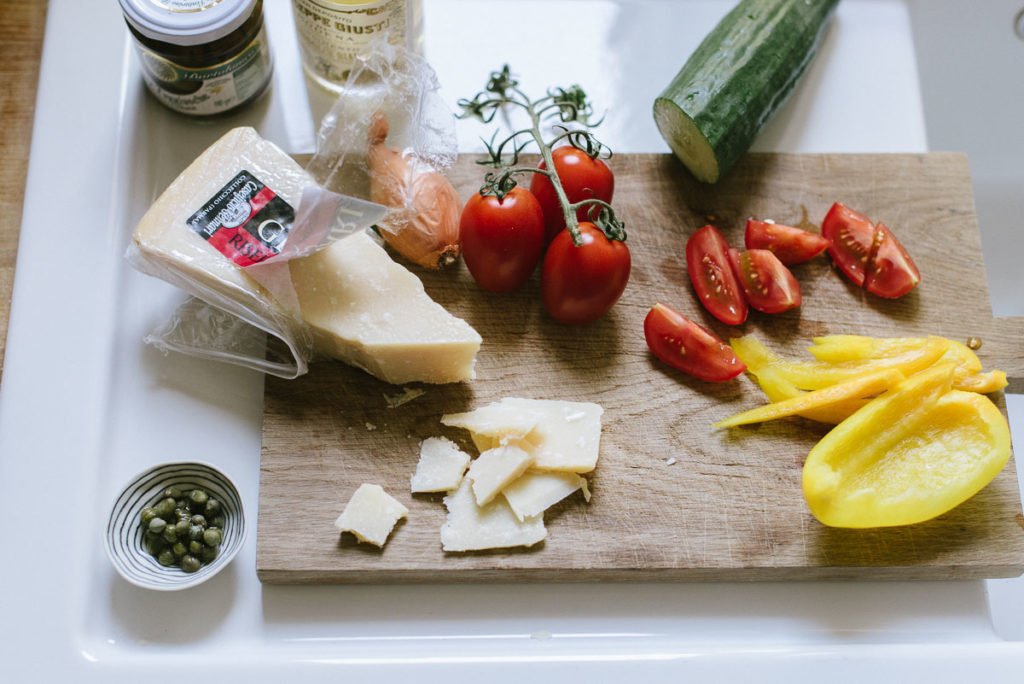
(792, 245)
(891, 272)
(502, 240)
(768, 285)
(851, 235)
(582, 178)
(689, 347)
(707, 261)
(580, 284)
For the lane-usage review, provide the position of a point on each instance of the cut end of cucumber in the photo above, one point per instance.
(686, 140)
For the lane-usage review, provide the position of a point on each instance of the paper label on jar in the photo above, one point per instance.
(332, 34)
(246, 221)
(209, 90)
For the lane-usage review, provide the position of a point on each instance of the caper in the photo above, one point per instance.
(190, 563)
(195, 548)
(165, 507)
(157, 525)
(154, 545)
(195, 533)
(179, 550)
(209, 553)
(198, 497)
(218, 521)
(213, 507)
(181, 528)
(173, 492)
(166, 558)
(184, 506)
(147, 514)
(170, 534)
(212, 537)
(199, 520)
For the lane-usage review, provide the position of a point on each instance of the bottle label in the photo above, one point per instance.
(245, 221)
(332, 35)
(210, 90)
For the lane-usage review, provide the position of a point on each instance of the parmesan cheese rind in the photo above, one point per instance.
(474, 528)
(536, 491)
(371, 514)
(495, 469)
(441, 466)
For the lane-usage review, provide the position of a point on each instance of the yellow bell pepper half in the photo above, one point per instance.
(909, 455)
(866, 385)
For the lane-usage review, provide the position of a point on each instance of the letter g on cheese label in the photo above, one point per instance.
(235, 221)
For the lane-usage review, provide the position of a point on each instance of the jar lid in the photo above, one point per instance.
(186, 22)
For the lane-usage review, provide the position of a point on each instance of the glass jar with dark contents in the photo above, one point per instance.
(201, 57)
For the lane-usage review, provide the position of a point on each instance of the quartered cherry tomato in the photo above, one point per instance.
(891, 271)
(582, 178)
(791, 245)
(767, 284)
(707, 262)
(689, 347)
(580, 284)
(502, 240)
(851, 235)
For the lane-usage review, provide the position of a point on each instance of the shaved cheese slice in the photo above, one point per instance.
(441, 466)
(495, 469)
(495, 422)
(371, 514)
(561, 435)
(536, 491)
(473, 528)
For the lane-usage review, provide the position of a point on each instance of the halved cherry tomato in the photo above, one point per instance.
(580, 284)
(502, 240)
(891, 272)
(851, 235)
(689, 347)
(767, 284)
(791, 245)
(582, 178)
(707, 261)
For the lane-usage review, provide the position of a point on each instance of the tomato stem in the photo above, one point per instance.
(568, 105)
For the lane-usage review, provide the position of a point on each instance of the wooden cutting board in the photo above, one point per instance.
(730, 506)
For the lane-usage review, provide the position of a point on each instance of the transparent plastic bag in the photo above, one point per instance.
(390, 138)
(224, 232)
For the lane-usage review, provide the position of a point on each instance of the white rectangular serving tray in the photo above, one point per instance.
(84, 405)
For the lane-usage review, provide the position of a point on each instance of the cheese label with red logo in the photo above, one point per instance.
(246, 221)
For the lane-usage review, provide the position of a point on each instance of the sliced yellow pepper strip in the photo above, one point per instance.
(812, 375)
(910, 455)
(759, 360)
(963, 356)
(841, 348)
(857, 388)
(983, 383)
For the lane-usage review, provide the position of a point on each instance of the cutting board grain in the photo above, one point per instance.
(730, 505)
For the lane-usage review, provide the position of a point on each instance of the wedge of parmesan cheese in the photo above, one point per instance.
(536, 491)
(362, 307)
(371, 312)
(473, 528)
(495, 469)
(371, 514)
(441, 466)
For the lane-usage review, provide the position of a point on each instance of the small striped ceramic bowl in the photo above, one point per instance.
(124, 538)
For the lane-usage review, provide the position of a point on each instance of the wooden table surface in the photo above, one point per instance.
(21, 24)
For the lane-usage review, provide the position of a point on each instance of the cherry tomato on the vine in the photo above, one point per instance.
(582, 178)
(502, 240)
(580, 284)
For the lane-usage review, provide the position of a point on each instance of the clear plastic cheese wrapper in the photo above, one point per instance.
(390, 138)
(225, 231)
(282, 268)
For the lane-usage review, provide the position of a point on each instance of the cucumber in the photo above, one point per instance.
(738, 76)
